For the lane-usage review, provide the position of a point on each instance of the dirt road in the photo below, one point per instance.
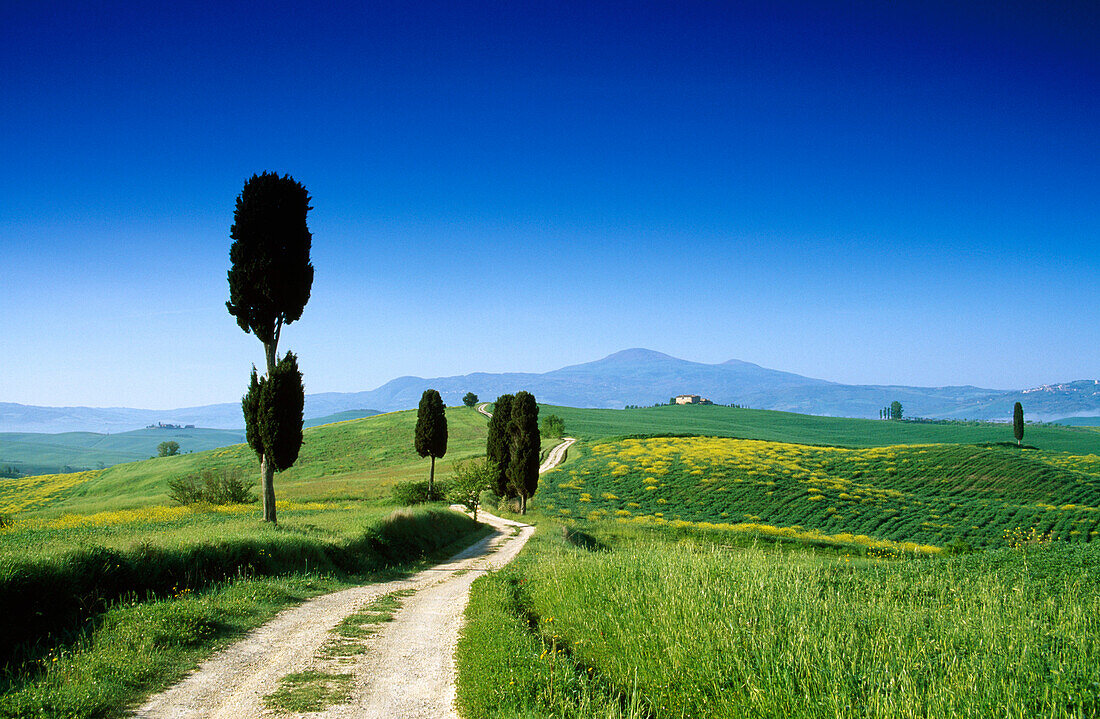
(406, 670)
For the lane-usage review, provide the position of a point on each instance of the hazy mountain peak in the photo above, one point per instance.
(635, 354)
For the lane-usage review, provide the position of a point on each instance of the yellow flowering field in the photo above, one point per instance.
(23, 493)
(917, 496)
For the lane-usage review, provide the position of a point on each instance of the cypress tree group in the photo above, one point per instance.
(1018, 423)
(269, 285)
(895, 410)
(431, 431)
(524, 445)
(496, 446)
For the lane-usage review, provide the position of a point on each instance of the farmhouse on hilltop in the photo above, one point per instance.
(690, 399)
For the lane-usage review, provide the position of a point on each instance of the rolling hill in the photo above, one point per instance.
(36, 453)
(631, 377)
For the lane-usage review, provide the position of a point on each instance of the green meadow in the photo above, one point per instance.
(121, 593)
(677, 622)
(352, 460)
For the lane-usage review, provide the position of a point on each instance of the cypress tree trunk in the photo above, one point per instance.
(523, 503)
(267, 488)
(267, 468)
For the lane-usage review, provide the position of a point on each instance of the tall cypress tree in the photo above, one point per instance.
(269, 281)
(1018, 423)
(431, 431)
(496, 446)
(524, 445)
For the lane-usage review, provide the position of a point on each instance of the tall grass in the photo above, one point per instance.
(701, 630)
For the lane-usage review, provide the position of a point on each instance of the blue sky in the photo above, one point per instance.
(867, 194)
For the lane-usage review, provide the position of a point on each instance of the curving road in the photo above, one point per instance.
(406, 671)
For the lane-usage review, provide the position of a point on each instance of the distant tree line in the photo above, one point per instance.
(893, 411)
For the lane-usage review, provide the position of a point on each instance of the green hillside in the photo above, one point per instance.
(36, 453)
(716, 421)
(888, 481)
(340, 417)
(1079, 421)
(359, 459)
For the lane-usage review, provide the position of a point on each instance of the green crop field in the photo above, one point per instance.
(716, 421)
(909, 494)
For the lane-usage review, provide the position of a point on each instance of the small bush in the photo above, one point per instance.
(212, 486)
(5, 520)
(410, 493)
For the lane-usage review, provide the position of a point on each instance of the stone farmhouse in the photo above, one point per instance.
(690, 399)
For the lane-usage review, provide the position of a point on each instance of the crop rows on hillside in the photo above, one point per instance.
(923, 494)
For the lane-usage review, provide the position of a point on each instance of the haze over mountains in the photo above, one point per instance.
(634, 376)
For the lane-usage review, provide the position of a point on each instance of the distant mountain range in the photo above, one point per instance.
(635, 376)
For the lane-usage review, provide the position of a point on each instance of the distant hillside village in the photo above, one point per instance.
(162, 425)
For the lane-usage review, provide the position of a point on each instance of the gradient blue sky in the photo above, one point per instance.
(863, 192)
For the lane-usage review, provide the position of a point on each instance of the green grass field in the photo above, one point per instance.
(353, 460)
(673, 623)
(769, 564)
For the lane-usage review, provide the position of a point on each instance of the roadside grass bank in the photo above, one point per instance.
(90, 630)
(619, 621)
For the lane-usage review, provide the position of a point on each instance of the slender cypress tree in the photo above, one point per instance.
(496, 446)
(431, 431)
(524, 446)
(270, 278)
(1018, 423)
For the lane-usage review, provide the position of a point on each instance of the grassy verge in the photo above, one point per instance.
(117, 624)
(677, 626)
